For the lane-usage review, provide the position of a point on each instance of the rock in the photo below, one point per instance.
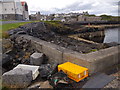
(6, 45)
(32, 68)
(36, 58)
(17, 78)
(111, 44)
(15, 31)
(21, 32)
(3, 70)
(46, 85)
(47, 69)
(5, 59)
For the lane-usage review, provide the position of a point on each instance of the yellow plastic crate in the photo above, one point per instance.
(74, 72)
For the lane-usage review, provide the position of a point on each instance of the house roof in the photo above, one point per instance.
(23, 3)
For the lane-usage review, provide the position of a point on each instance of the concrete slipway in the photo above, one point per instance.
(95, 61)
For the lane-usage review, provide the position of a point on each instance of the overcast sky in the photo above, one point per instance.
(97, 7)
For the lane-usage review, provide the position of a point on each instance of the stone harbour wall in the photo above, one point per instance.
(94, 61)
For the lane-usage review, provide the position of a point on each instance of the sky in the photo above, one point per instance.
(97, 7)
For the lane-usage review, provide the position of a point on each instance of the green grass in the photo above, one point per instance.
(5, 27)
(110, 18)
(54, 23)
(6, 20)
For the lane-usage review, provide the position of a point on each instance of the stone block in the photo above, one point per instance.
(36, 58)
(17, 78)
(32, 68)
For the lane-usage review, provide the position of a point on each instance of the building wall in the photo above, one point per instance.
(25, 11)
(93, 18)
(13, 10)
(19, 9)
(12, 16)
(81, 18)
(8, 8)
(87, 18)
(1, 11)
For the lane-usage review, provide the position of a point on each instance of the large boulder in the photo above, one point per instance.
(17, 78)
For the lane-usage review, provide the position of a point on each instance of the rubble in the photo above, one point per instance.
(17, 78)
(36, 58)
(6, 45)
(59, 77)
(47, 69)
(20, 52)
(50, 34)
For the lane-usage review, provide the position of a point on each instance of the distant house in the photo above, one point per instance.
(13, 10)
(89, 18)
(39, 16)
(62, 19)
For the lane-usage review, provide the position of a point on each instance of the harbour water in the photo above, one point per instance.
(112, 35)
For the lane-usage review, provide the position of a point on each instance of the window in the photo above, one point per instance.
(5, 9)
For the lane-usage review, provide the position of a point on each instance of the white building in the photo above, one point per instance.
(25, 11)
(11, 10)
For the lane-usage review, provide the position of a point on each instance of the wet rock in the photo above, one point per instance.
(36, 59)
(17, 78)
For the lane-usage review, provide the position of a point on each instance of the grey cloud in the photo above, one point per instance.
(104, 7)
(73, 7)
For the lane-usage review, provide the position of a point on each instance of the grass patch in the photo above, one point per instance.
(94, 50)
(5, 27)
(54, 23)
(57, 26)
